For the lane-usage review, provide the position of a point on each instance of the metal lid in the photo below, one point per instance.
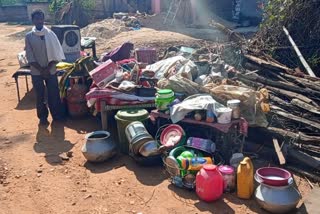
(133, 114)
(172, 166)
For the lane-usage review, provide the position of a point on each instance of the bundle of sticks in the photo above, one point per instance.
(294, 116)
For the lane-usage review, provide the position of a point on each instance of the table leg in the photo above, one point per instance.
(27, 83)
(104, 116)
(17, 85)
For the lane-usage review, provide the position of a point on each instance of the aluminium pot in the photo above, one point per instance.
(277, 199)
(98, 146)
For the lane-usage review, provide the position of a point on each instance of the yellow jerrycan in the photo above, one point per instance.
(245, 179)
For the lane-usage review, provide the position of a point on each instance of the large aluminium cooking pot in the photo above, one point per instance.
(277, 199)
(98, 146)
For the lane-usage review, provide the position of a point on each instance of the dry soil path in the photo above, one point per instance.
(34, 179)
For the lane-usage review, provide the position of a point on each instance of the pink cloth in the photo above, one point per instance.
(113, 97)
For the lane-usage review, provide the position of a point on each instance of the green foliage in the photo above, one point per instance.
(300, 17)
(85, 5)
(56, 5)
(80, 13)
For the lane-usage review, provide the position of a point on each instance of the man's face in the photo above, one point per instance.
(38, 21)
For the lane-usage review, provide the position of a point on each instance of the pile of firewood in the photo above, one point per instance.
(294, 117)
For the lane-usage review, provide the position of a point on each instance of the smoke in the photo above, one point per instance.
(202, 10)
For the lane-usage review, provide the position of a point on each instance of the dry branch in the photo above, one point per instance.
(267, 64)
(305, 106)
(292, 95)
(296, 118)
(300, 137)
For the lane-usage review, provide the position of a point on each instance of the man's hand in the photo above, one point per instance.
(52, 65)
(45, 72)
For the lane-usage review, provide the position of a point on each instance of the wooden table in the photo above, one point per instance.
(105, 109)
(25, 72)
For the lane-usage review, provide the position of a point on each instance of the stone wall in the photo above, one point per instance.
(2, 15)
(16, 13)
(22, 13)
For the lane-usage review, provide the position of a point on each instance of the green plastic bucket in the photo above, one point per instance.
(124, 118)
(163, 98)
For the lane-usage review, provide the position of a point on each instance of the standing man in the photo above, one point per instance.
(43, 51)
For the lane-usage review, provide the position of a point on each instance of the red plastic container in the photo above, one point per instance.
(76, 97)
(273, 176)
(209, 183)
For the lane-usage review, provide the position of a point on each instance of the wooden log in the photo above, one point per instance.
(303, 157)
(281, 85)
(315, 85)
(256, 85)
(308, 148)
(267, 64)
(251, 66)
(295, 118)
(279, 153)
(283, 104)
(309, 175)
(275, 74)
(292, 95)
(305, 106)
(299, 136)
(311, 116)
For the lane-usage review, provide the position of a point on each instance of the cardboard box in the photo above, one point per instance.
(146, 55)
(104, 73)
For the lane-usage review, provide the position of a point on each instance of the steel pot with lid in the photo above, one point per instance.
(277, 199)
(124, 118)
(137, 136)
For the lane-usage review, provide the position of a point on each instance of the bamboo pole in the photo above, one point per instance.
(301, 58)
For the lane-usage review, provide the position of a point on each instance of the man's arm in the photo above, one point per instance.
(50, 66)
(30, 56)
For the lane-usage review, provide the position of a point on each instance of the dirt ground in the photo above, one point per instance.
(35, 179)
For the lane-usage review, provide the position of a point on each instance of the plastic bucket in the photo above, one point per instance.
(164, 98)
(224, 115)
